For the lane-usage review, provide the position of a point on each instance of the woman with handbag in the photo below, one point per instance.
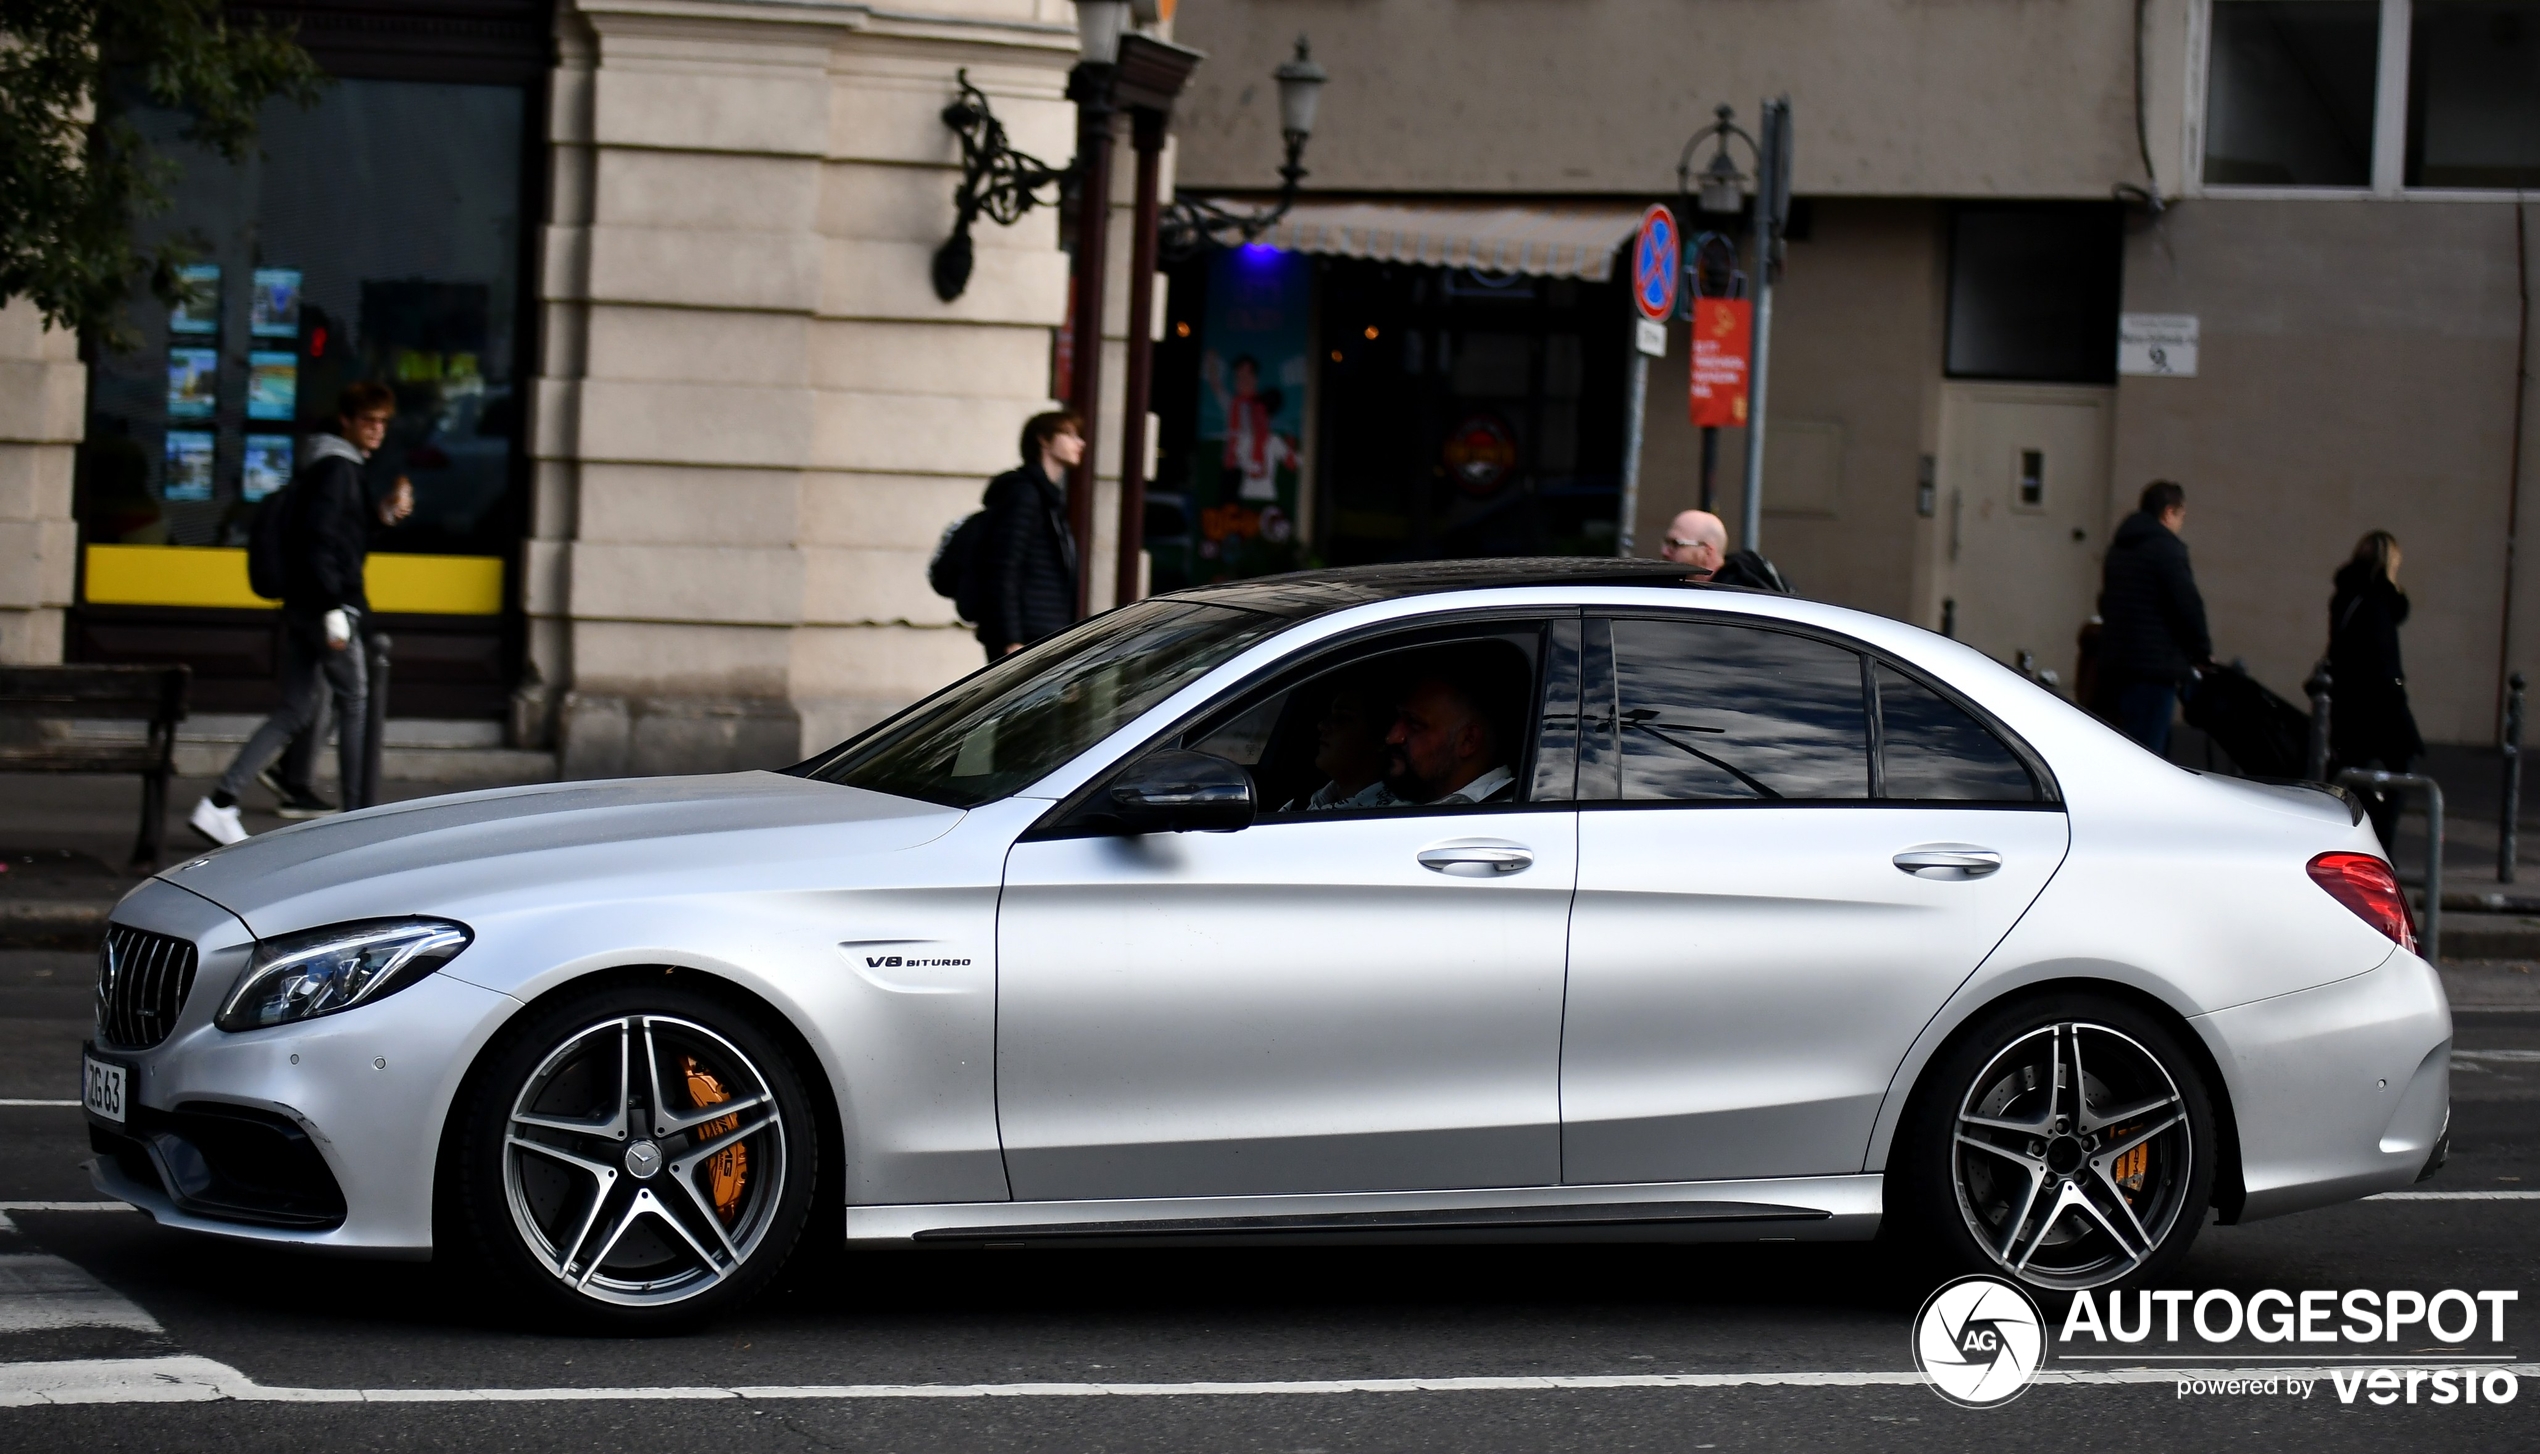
(2369, 724)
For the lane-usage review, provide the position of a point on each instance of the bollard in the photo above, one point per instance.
(2316, 765)
(2430, 944)
(2509, 798)
(378, 716)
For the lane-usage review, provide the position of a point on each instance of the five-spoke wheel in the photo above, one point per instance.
(639, 1156)
(2067, 1141)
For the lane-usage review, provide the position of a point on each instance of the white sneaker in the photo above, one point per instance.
(217, 823)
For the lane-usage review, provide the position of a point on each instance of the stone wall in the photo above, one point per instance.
(755, 418)
(43, 400)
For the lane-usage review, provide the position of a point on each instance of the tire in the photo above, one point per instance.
(1998, 1169)
(598, 1179)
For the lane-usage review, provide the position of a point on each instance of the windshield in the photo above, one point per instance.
(988, 735)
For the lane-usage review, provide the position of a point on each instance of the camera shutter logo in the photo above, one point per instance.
(1979, 1340)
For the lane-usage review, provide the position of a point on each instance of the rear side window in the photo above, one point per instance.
(1932, 750)
(1704, 711)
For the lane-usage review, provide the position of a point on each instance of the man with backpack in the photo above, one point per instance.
(308, 546)
(1011, 567)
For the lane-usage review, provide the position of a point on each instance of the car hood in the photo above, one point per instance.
(434, 854)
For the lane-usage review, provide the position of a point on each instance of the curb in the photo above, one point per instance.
(53, 923)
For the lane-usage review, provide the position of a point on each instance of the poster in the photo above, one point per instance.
(273, 384)
(199, 314)
(193, 382)
(1722, 331)
(1253, 376)
(273, 309)
(268, 466)
(189, 465)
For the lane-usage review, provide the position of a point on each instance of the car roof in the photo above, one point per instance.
(1302, 594)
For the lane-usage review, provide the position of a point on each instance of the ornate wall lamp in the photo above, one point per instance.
(997, 182)
(1196, 222)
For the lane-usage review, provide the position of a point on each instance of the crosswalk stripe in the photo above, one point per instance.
(2455, 1196)
(8, 1101)
(183, 1378)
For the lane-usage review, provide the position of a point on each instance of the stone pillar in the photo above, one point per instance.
(43, 396)
(755, 418)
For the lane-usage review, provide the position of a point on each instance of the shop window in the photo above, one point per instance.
(2474, 94)
(2033, 292)
(2289, 93)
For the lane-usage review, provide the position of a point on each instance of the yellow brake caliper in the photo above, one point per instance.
(2128, 1169)
(729, 1169)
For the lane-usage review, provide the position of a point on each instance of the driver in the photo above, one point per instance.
(1446, 745)
(1349, 750)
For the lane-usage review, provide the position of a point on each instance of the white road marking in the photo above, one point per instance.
(2454, 1196)
(5, 1101)
(39, 1292)
(8, 1207)
(184, 1379)
(2516, 1055)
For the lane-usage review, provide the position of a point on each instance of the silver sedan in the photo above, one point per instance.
(1478, 900)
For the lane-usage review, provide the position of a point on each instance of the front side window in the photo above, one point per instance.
(2289, 93)
(1702, 711)
(1005, 728)
(1393, 726)
(2474, 94)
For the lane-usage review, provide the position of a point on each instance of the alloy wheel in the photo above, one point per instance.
(644, 1160)
(2073, 1155)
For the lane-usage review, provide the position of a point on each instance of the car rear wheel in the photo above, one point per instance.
(638, 1157)
(2066, 1142)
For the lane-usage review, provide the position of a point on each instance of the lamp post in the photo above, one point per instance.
(1195, 222)
(1150, 78)
(1721, 192)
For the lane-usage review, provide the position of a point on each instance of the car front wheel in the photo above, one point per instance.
(2067, 1142)
(638, 1157)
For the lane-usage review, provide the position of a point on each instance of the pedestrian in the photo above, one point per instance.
(2152, 637)
(2369, 724)
(1697, 541)
(1027, 555)
(324, 540)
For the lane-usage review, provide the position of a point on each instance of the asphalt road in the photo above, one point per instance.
(192, 1344)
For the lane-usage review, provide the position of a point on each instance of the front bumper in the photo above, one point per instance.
(2340, 1091)
(364, 1093)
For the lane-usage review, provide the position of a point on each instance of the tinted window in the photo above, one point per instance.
(2474, 94)
(2289, 92)
(2033, 291)
(1932, 750)
(1709, 712)
(1007, 727)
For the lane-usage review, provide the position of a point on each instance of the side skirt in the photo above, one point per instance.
(1811, 1208)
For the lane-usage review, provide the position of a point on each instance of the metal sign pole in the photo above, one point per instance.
(1772, 197)
(1635, 405)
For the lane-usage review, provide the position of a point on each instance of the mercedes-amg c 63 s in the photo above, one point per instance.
(1476, 900)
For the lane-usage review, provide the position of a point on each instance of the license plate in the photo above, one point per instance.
(102, 1084)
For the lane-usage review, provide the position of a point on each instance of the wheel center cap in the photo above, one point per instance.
(642, 1160)
(2063, 1155)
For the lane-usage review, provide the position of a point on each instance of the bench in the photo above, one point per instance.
(31, 696)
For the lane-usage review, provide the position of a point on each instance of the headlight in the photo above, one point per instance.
(320, 971)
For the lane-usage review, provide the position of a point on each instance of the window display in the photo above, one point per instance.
(200, 312)
(193, 382)
(267, 467)
(189, 465)
(273, 383)
(273, 310)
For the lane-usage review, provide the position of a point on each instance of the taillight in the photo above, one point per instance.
(2366, 885)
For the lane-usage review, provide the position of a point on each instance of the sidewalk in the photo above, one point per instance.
(66, 839)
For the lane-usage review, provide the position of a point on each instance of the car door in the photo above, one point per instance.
(1355, 1000)
(1789, 855)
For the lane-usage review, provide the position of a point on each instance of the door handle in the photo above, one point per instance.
(1949, 861)
(1477, 860)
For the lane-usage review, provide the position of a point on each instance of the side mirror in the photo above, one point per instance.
(1179, 792)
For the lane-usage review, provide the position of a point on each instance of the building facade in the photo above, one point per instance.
(2324, 190)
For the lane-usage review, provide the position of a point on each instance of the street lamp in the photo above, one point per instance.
(1722, 191)
(1195, 222)
(1098, 27)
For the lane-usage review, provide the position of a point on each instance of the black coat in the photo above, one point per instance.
(2152, 621)
(326, 538)
(1029, 559)
(2368, 716)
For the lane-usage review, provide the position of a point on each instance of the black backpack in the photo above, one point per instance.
(265, 567)
(954, 571)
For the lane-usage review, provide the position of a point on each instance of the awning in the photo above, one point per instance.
(1550, 240)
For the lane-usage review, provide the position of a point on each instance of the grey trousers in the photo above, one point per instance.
(311, 672)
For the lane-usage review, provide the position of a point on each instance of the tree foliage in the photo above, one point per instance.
(76, 178)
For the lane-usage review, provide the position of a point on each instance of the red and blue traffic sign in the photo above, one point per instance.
(1654, 262)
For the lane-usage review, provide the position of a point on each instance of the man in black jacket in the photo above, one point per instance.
(1028, 555)
(325, 542)
(2152, 635)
